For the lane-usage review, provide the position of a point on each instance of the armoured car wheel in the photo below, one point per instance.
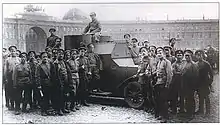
(133, 95)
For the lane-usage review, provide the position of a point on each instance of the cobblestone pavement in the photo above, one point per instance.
(111, 114)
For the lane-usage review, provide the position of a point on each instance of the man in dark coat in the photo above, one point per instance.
(84, 72)
(95, 64)
(205, 79)
(44, 80)
(60, 83)
(189, 76)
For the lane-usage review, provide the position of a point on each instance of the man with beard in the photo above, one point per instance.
(60, 83)
(164, 76)
(10, 64)
(189, 76)
(205, 79)
(95, 64)
(93, 28)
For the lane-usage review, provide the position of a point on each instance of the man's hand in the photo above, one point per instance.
(89, 73)
(83, 67)
(167, 86)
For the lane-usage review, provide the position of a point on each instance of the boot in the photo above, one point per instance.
(65, 111)
(85, 103)
(60, 113)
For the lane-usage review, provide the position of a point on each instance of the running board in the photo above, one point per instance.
(106, 97)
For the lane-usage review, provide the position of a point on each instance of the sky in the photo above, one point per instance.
(147, 11)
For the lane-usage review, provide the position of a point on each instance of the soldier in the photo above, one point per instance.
(36, 93)
(49, 51)
(4, 57)
(172, 43)
(168, 50)
(54, 55)
(60, 83)
(144, 78)
(73, 65)
(127, 38)
(134, 50)
(18, 52)
(67, 55)
(44, 80)
(22, 82)
(95, 64)
(11, 62)
(153, 61)
(93, 28)
(38, 58)
(31, 54)
(51, 43)
(146, 43)
(189, 76)
(164, 76)
(205, 79)
(176, 83)
(84, 71)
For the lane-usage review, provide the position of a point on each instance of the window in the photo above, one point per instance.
(200, 35)
(192, 35)
(210, 35)
(183, 35)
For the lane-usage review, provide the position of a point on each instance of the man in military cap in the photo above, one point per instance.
(54, 54)
(93, 28)
(73, 65)
(95, 64)
(134, 50)
(164, 77)
(205, 79)
(60, 83)
(84, 71)
(168, 50)
(22, 81)
(44, 81)
(146, 43)
(175, 87)
(10, 64)
(189, 79)
(49, 51)
(144, 78)
(51, 40)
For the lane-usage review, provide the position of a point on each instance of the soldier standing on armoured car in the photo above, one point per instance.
(84, 71)
(60, 83)
(164, 76)
(205, 79)
(95, 64)
(168, 50)
(44, 81)
(93, 28)
(11, 62)
(175, 87)
(22, 81)
(189, 76)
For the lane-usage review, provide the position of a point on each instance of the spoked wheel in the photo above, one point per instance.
(133, 95)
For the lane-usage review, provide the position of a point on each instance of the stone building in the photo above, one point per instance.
(29, 30)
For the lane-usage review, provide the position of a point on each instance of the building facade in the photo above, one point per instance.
(30, 30)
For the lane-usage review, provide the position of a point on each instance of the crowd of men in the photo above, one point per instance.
(170, 78)
(58, 81)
